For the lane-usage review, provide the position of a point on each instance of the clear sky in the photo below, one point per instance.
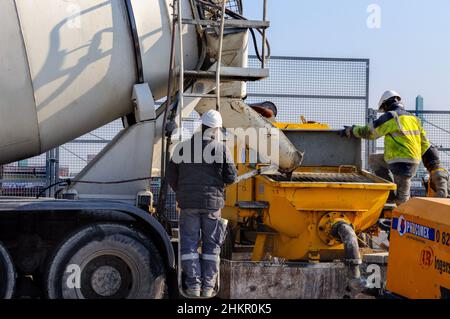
(409, 52)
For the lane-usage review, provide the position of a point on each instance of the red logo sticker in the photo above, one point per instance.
(426, 257)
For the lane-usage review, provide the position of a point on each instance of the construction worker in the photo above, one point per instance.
(438, 185)
(404, 143)
(199, 186)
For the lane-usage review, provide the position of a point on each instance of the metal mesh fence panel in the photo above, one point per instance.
(313, 77)
(332, 91)
(75, 155)
(326, 90)
(234, 5)
(25, 178)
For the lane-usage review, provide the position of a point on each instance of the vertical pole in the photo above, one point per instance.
(264, 37)
(370, 145)
(1, 179)
(56, 174)
(419, 107)
(420, 115)
(181, 84)
(219, 55)
(52, 169)
(48, 169)
(169, 95)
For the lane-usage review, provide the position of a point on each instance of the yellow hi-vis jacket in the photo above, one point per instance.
(405, 139)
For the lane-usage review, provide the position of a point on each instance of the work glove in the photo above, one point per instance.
(346, 132)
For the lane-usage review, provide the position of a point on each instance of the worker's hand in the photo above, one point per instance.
(346, 132)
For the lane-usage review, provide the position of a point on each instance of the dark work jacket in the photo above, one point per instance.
(202, 185)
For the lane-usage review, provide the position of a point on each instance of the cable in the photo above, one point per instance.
(74, 154)
(115, 182)
(69, 182)
(50, 186)
(241, 17)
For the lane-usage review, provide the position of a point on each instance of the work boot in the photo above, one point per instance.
(207, 293)
(192, 293)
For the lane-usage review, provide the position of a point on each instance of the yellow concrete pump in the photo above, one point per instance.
(419, 254)
(314, 214)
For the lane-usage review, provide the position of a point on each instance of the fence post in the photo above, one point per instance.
(52, 170)
(371, 145)
(1, 179)
(419, 107)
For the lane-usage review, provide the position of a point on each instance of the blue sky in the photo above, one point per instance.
(410, 52)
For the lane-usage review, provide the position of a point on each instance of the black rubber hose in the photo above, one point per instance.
(345, 233)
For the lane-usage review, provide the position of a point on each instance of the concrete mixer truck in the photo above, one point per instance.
(69, 67)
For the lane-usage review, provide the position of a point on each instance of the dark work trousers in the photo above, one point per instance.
(403, 181)
(206, 229)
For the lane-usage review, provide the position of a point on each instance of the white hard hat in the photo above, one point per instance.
(386, 96)
(212, 119)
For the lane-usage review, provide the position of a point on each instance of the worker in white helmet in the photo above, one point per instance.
(405, 142)
(200, 186)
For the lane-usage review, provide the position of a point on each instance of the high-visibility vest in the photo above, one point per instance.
(405, 139)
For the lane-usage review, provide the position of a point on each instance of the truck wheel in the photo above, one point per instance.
(7, 274)
(106, 261)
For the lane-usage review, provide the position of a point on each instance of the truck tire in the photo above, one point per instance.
(106, 261)
(7, 274)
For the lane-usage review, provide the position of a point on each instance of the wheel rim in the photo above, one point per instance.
(106, 281)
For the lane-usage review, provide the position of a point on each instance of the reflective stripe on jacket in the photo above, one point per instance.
(405, 140)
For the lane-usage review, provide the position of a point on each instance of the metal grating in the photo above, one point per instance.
(211, 12)
(322, 178)
(234, 5)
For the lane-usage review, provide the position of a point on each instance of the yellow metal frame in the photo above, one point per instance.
(302, 214)
(298, 211)
(301, 126)
(418, 261)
